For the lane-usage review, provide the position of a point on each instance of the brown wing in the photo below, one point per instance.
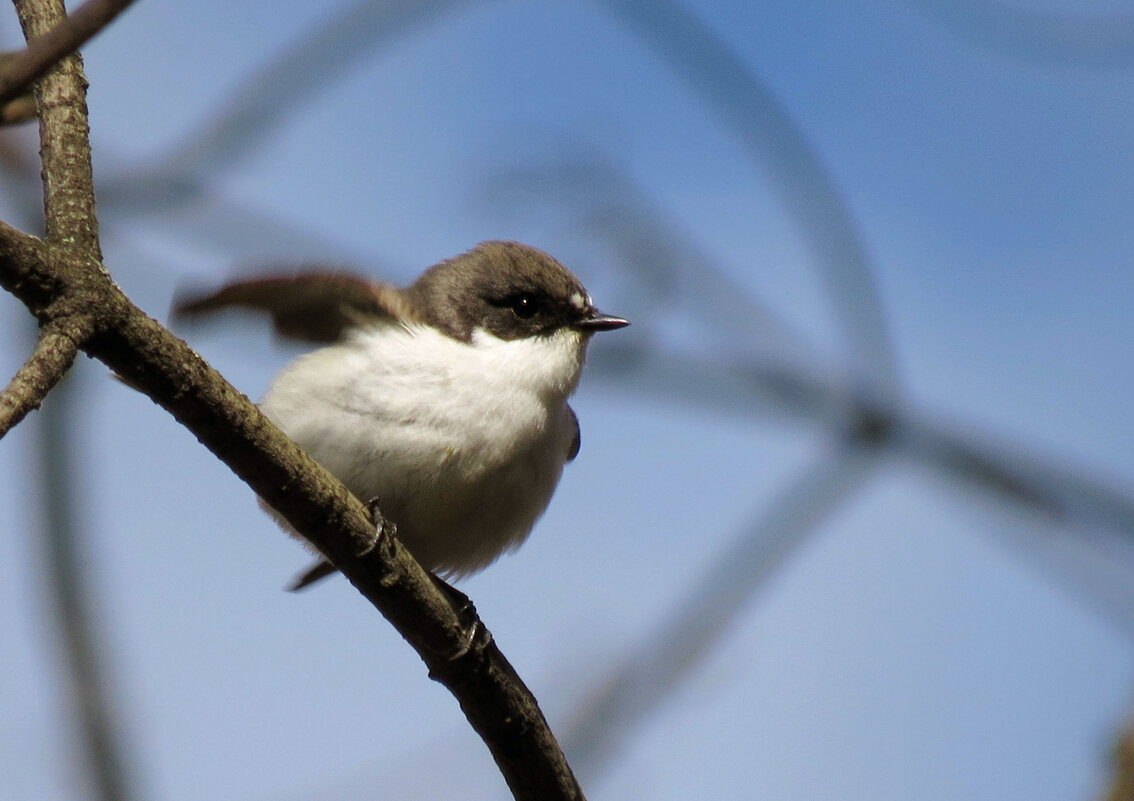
(311, 306)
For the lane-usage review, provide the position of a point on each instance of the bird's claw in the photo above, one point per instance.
(384, 528)
(469, 620)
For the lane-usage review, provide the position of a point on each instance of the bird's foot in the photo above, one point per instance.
(469, 620)
(383, 530)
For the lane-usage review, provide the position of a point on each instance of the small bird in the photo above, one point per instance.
(445, 402)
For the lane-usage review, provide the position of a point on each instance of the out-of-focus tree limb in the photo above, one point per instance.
(19, 69)
(67, 587)
(1073, 37)
(281, 87)
(659, 665)
(18, 110)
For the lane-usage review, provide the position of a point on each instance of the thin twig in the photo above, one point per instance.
(45, 49)
(53, 356)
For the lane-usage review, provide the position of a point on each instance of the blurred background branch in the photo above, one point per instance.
(1079, 36)
(658, 667)
(91, 686)
(19, 69)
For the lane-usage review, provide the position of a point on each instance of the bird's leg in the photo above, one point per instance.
(466, 611)
(461, 602)
(383, 528)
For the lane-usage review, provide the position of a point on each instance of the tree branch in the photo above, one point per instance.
(53, 356)
(65, 150)
(24, 66)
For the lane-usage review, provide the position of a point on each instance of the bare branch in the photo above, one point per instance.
(25, 66)
(459, 652)
(65, 150)
(53, 356)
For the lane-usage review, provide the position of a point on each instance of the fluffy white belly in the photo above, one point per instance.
(462, 445)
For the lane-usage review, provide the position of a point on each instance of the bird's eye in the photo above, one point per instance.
(524, 306)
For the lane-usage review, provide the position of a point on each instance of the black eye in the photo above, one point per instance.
(524, 306)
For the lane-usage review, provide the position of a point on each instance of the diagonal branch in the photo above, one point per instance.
(53, 356)
(648, 677)
(25, 66)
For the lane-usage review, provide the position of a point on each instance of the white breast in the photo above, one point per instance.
(461, 444)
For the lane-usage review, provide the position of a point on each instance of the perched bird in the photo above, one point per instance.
(445, 402)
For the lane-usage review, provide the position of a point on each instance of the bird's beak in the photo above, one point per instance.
(597, 321)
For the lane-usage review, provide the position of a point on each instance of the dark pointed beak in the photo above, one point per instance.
(597, 321)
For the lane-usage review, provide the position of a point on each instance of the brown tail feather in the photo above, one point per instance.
(320, 570)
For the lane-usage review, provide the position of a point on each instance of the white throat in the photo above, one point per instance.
(548, 365)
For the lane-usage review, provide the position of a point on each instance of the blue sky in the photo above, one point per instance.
(924, 639)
